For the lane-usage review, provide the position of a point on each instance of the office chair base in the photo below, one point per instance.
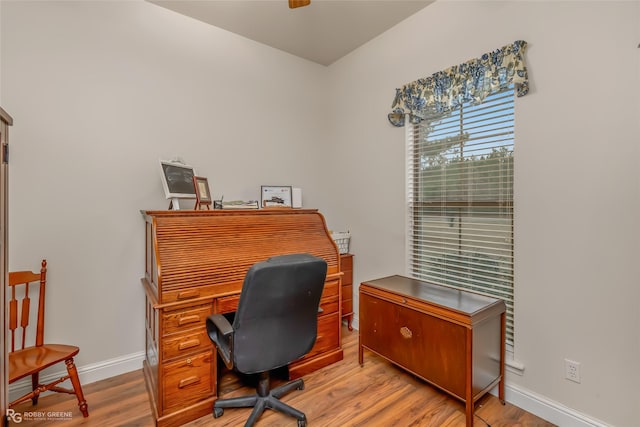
(263, 399)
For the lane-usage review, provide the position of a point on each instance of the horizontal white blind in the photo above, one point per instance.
(460, 194)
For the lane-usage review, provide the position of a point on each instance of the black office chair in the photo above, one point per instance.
(274, 325)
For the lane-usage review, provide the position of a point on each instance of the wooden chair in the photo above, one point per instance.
(29, 360)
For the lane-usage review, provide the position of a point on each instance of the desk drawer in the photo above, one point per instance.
(347, 306)
(328, 337)
(184, 319)
(189, 380)
(328, 301)
(187, 291)
(227, 304)
(330, 296)
(185, 344)
(330, 289)
(347, 293)
(329, 306)
(346, 262)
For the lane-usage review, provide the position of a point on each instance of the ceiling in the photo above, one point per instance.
(322, 32)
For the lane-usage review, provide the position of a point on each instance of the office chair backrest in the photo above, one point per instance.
(277, 317)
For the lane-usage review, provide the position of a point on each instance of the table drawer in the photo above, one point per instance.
(189, 380)
(184, 319)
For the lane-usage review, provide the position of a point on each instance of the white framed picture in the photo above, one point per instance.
(275, 196)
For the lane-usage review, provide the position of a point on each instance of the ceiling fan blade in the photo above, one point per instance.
(298, 3)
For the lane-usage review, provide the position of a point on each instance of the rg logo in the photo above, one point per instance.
(16, 417)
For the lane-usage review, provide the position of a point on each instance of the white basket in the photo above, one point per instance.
(342, 239)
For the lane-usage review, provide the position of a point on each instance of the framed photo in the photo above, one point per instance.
(177, 180)
(273, 196)
(203, 195)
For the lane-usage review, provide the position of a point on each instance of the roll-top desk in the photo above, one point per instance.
(195, 265)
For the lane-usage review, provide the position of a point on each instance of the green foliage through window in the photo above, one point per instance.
(461, 199)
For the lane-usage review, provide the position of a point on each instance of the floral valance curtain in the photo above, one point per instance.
(469, 82)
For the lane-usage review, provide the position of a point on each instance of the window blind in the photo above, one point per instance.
(460, 196)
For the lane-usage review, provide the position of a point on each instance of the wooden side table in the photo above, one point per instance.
(450, 338)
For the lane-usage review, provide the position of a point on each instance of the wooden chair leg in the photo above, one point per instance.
(77, 387)
(35, 381)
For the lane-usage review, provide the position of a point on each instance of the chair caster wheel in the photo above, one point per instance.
(217, 412)
(302, 423)
(300, 387)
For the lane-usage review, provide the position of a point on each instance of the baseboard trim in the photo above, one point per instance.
(88, 373)
(548, 409)
(538, 405)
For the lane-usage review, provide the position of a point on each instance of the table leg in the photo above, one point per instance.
(503, 329)
(469, 379)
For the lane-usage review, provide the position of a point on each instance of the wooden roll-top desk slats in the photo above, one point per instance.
(195, 265)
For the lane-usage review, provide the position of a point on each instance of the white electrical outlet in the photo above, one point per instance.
(572, 370)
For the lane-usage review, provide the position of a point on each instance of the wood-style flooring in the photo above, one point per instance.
(339, 395)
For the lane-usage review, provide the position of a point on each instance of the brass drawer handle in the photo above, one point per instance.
(188, 294)
(188, 381)
(188, 344)
(406, 332)
(188, 319)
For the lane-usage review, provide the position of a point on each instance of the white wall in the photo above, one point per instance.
(577, 185)
(100, 90)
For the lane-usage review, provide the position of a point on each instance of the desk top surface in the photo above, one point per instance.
(444, 296)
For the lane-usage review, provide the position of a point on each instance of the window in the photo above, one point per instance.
(460, 196)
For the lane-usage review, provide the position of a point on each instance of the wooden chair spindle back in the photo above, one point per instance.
(18, 279)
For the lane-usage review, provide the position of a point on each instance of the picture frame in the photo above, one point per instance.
(177, 182)
(276, 196)
(203, 194)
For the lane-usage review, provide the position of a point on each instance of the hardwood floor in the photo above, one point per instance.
(343, 394)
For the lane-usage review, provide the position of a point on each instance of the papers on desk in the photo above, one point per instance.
(240, 204)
